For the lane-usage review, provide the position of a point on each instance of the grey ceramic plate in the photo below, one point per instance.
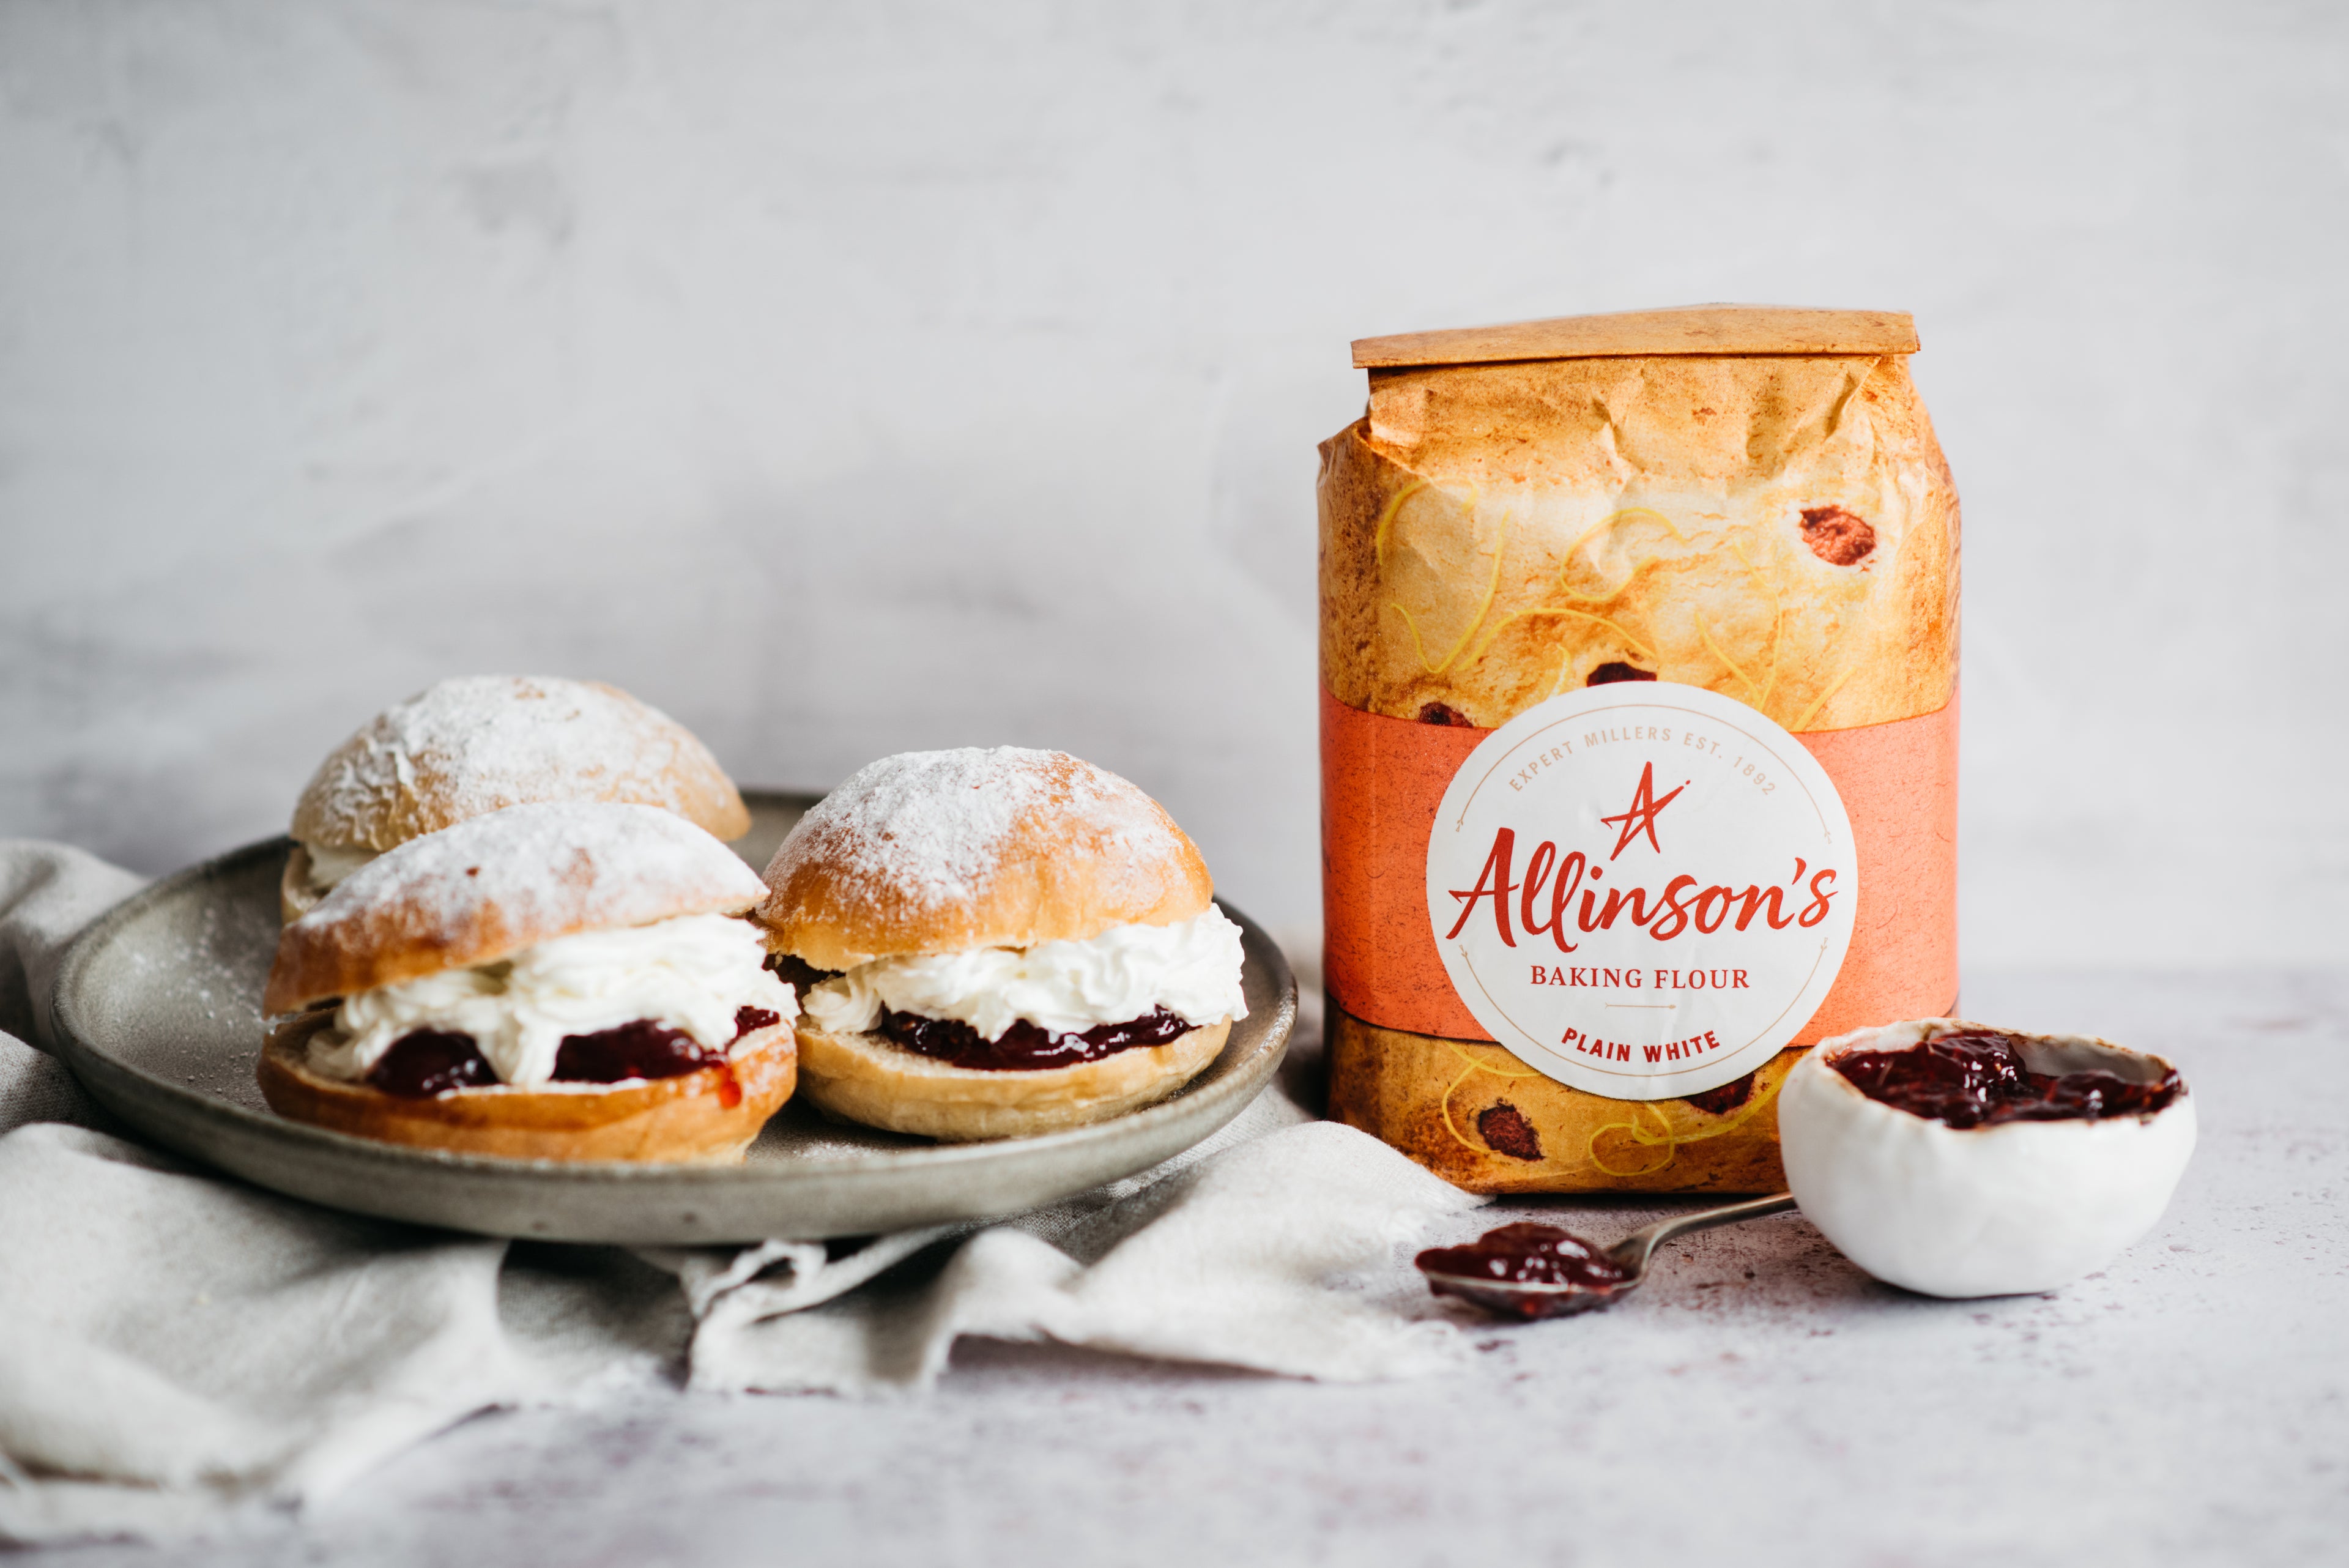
(159, 1014)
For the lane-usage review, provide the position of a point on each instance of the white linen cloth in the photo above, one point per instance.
(179, 1351)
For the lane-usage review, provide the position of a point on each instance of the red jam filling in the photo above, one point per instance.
(797, 974)
(1978, 1079)
(1026, 1046)
(751, 1019)
(639, 1050)
(428, 1062)
(1521, 1254)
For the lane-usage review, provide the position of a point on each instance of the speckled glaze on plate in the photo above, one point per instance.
(157, 1012)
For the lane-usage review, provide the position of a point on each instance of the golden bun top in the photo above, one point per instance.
(495, 884)
(478, 744)
(930, 851)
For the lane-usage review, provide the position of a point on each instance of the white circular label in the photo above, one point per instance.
(1642, 890)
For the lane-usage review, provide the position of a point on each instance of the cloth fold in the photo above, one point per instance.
(48, 892)
(177, 1343)
(1232, 1262)
(188, 1353)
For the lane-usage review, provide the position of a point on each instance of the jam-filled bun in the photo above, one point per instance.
(942, 852)
(931, 852)
(488, 888)
(478, 744)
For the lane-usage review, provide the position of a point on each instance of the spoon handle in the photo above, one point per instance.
(1636, 1248)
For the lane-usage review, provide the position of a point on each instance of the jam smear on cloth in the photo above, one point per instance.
(1978, 1079)
(1522, 1254)
(1027, 1046)
(429, 1062)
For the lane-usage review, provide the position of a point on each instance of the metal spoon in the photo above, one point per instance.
(1533, 1300)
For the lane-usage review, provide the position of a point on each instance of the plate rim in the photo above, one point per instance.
(75, 1042)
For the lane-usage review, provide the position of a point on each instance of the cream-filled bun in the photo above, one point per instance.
(1002, 943)
(553, 982)
(479, 744)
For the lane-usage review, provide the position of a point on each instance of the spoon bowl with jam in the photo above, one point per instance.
(1529, 1272)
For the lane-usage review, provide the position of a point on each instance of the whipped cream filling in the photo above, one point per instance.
(329, 864)
(689, 973)
(1192, 970)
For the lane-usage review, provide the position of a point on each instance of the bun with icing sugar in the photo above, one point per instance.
(478, 744)
(550, 982)
(929, 852)
(483, 889)
(998, 943)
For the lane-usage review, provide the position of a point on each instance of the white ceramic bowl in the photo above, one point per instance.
(1978, 1211)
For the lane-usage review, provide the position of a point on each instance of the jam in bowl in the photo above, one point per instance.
(1956, 1160)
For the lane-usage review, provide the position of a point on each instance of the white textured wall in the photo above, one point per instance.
(851, 378)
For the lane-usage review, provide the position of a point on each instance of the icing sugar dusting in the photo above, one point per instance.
(529, 872)
(929, 830)
(477, 743)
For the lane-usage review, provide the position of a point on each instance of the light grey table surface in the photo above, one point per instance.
(1762, 1402)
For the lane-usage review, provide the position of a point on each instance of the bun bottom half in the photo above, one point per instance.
(684, 1119)
(870, 1079)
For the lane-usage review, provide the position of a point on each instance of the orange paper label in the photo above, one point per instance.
(1383, 779)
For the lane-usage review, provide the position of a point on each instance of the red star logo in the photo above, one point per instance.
(1641, 816)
